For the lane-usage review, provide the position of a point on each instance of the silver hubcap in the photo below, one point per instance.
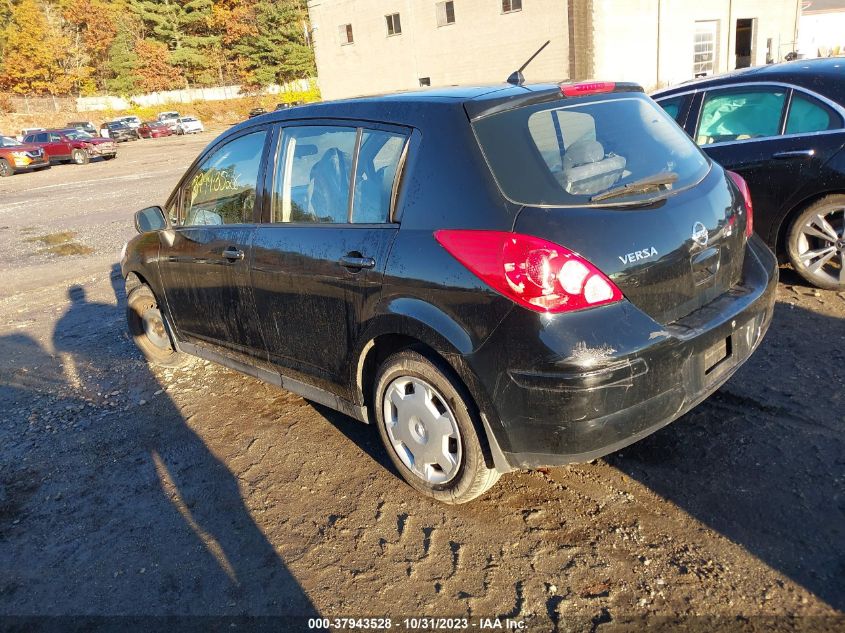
(154, 328)
(4, 169)
(821, 245)
(422, 429)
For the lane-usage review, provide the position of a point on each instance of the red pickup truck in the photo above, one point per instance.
(15, 157)
(72, 145)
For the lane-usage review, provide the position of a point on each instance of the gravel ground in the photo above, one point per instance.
(127, 491)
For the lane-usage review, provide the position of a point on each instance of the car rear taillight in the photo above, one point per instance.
(587, 88)
(533, 272)
(740, 183)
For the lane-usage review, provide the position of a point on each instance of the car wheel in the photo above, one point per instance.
(109, 156)
(816, 243)
(5, 168)
(149, 330)
(428, 425)
(80, 157)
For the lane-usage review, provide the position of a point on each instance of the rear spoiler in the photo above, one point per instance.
(521, 96)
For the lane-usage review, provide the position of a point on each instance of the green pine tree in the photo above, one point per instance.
(280, 51)
(184, 26)
(123, 63)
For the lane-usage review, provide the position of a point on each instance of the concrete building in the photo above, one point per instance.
(821, 30)
(375, 46)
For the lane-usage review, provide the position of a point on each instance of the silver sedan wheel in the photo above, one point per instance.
(821, 245)
(422, 429)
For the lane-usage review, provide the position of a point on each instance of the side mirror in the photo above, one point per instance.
(150, 219)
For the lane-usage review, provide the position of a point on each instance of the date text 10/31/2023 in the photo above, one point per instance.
(416, 624)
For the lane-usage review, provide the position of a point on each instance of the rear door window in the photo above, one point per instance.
(740, 114)
(223, 189)
(564, 153)
(314, 174)
(807, 114)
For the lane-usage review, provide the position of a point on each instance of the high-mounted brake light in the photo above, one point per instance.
(535, 273)
(739, 181)
(587, 88)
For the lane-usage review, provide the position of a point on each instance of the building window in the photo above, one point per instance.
(425, 81)
(704, 48)
(345, 31)
(508, 6)
(394, 27)
(445, 13)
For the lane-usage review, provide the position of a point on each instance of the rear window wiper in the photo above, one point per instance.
(662, 179)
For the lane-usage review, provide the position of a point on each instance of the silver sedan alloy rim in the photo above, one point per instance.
(821, 245)
(422, 429)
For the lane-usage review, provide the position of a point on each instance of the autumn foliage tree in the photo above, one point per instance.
(125, 46)
(35, 53)
(154, 70)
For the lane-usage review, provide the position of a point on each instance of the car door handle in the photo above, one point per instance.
(357, 263)
(798, 153)
(233, 253)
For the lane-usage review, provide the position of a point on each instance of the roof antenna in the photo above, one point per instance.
(517, 78)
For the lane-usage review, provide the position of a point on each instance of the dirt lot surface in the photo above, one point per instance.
(131, 491)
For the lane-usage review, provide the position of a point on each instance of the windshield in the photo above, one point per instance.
(8, 141)
(567, 154)
(188, 119)
(78, 135)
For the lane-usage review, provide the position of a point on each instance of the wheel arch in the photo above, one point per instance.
(393, 333)
(782, 228)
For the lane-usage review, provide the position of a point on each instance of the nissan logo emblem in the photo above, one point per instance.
(699, 234)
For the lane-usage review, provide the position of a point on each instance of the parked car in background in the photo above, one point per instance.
(170, 118)
(118, 131)
(17, 157)
(154, 129)
(782, 127)
(84, 126)
(256, 112)
(72, 146)
(495, 277)
(189, 125)
(130, 121)
(29, 130)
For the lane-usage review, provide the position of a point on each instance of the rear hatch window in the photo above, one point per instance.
(577, 152)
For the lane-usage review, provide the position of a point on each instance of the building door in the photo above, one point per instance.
(744, 44)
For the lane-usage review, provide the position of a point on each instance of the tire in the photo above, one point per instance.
(80, 157)
(109, 156)
(6, 169)
(445, 409)
(149, 330)
(815, 243)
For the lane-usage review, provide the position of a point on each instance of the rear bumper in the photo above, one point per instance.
(608, 377)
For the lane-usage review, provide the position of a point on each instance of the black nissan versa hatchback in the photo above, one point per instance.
(497, 278)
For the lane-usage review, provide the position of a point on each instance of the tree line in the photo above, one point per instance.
(124, 47)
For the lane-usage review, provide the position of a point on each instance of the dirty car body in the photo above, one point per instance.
(498, 239)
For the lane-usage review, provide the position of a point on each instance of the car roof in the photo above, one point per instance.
(410, 108)
(825, 76)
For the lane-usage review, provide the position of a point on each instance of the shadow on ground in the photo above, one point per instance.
(172, 535)
(762, 461)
